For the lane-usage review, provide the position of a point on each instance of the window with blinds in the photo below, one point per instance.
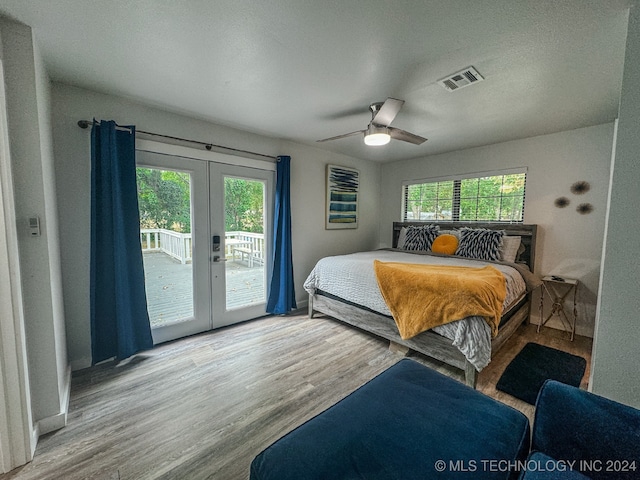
(495, 197)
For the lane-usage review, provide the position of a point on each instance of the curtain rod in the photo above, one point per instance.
(86, 123)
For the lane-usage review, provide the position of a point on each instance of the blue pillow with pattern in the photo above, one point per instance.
(420, 237)
(480, 243)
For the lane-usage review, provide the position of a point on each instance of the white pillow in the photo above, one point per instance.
(509, 248)
(455, 233)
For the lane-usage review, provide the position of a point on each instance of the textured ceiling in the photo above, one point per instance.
(305, 70)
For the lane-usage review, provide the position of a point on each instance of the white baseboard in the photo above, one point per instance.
(59, 420)
(35, 434)
(80, 363)
(303, 304)
(52, 423)
(583, 331)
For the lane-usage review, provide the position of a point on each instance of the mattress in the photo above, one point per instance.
(351, 278)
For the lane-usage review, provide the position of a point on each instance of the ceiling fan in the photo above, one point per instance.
(379, 132)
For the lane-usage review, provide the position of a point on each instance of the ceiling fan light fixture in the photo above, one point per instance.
(376, 136)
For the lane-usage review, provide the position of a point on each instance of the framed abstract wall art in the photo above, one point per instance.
(342, 197)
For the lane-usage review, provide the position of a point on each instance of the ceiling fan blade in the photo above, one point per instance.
(341, 136)
(347, 113)
(387, 112)
(398, 134)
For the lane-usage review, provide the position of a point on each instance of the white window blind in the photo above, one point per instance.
(485, 197)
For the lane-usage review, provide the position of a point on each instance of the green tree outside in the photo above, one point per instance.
(164, 199)
(432, 201)
(244, 205)
(497, 198)
(494, 198)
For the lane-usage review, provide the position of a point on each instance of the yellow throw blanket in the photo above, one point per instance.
(421, 297)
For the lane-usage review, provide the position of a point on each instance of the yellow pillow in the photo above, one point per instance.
(445, 243)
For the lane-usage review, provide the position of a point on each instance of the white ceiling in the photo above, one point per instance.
(308, 69)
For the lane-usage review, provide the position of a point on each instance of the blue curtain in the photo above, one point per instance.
(282, 295)
(119, 318)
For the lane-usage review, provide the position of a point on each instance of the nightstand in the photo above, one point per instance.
(558, 289)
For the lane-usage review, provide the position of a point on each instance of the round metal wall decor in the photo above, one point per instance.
(561, 202)
(580, 187)
(584, 208)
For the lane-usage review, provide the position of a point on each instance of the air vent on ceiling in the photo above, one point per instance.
(461, 79)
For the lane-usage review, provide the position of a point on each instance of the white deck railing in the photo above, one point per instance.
(174, 244)
(252, 243)
(179, 246)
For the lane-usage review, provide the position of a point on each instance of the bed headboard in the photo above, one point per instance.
(527, 232)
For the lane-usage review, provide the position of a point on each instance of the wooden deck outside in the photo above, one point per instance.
(169, 287)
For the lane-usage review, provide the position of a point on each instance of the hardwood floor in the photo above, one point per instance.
(204, 406)
(550, 337)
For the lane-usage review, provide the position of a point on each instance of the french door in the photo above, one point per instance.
(240, 215)
(205, 235)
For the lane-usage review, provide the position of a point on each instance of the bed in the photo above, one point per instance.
(345, 289)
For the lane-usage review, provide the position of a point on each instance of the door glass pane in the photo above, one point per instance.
(164, 198)
(244, 202)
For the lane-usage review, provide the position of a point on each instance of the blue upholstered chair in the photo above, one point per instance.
(578, 435)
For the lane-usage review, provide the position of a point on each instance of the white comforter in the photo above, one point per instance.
(351, 277)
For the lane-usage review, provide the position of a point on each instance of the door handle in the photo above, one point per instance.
(216, 258)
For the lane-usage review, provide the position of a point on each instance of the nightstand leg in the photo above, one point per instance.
(575, 311)
(540, 307)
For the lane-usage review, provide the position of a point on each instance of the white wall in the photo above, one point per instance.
(308, 187)
(72, 160)
(569, 244)
(28, 112)
(616, 354)
(17, 436)
(43, 87)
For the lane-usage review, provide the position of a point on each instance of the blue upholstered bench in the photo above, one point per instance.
(579, 435)
(409, 422)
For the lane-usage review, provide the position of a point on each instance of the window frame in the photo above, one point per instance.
(456, 196)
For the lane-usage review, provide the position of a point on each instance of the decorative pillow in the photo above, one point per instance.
(445, 243)
(402, 237)
(480, 243)
(420, 237)
(509, 248)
